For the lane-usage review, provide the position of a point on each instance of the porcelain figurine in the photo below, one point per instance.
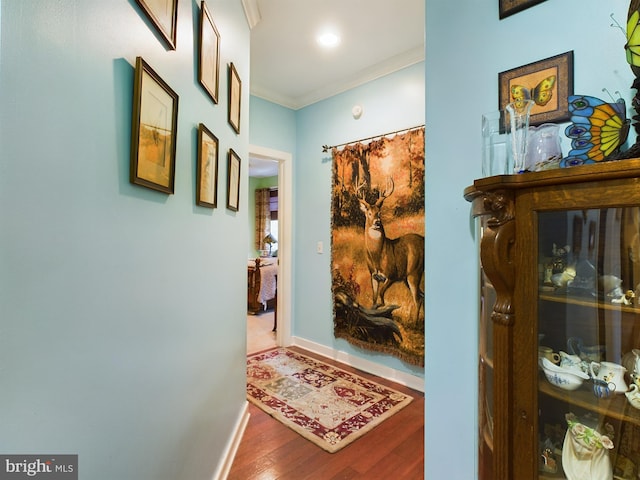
(633, 396)
(631, 361)
(585, 452)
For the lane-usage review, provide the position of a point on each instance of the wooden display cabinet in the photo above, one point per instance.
(560, 255)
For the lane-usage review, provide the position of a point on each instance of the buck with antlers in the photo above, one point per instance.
(391, 260)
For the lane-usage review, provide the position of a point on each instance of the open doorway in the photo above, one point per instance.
(284, 237)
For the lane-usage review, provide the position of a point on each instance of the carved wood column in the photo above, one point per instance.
(497, 255)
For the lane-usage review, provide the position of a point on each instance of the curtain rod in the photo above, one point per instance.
(326, 148)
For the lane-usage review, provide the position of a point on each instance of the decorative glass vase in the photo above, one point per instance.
(495, 144)
(544, 151)
(519, 113)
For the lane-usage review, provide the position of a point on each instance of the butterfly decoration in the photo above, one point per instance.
(540, 94)
(632, 47)
(598, 129)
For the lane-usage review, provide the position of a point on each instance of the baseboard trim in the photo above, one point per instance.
(368, 366)
(224, 467)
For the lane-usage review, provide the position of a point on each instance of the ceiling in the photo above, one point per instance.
(288, 68)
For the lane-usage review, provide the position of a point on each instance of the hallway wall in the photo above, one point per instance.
(467, 46)
(118, 340)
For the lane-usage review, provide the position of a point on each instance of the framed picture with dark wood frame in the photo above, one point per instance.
(207, 168)
(235, 93)
(154, 125)
(164, 16)
(209, 55)
(233, 181)
(548, 83)
(509, 7)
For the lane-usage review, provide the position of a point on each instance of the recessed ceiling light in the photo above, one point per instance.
(328, 39)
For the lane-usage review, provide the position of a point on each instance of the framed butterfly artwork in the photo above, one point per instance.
(547, 82)
(509, 7)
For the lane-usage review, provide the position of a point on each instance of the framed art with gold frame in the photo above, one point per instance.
(235, 93)
(207, 168)
(153, 130)
(164, 16)
(233, 181)
(209, 54)
(547, 82)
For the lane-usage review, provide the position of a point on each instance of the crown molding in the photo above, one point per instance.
(252, 12)
(374, 72)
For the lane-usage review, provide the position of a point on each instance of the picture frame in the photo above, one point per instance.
(163, 14)
(235, 93)
(548, 82)
(509, 7)
(207, 168)
(233, 180)
(209, 53)
(154, 125)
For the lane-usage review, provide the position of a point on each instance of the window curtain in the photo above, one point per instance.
(263, 217)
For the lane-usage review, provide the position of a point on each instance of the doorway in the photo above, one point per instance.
(285, 250)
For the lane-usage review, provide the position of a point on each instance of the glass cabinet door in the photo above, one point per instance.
(588, 328)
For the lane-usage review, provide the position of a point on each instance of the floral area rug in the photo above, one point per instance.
(324, 404)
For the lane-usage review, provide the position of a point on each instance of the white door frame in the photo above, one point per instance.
(285, 237)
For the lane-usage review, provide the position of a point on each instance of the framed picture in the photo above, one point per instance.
(164, 15)
(509, 7)
(235, 91)
(207, 168)
(233, 181)
(209, 57)
(153, 130)
(547, 82)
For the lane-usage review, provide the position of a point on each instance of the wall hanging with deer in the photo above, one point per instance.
(377, 245)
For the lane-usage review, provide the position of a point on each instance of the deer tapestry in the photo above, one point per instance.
(377, 245)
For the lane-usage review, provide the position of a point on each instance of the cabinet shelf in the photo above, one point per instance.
(615, 407)
(592, 303)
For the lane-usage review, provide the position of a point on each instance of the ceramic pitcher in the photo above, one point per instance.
(609, 372)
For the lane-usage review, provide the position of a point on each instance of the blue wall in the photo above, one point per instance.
(467, 46)
(389, 103)
(119, 342)
(272, 126)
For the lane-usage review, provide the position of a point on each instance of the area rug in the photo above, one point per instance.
(326, 405)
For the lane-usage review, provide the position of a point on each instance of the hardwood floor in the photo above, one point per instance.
(394, 449)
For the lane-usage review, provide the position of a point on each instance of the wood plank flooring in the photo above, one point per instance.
(394, 449)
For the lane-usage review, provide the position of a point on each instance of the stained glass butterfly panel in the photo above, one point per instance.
(597, 131)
